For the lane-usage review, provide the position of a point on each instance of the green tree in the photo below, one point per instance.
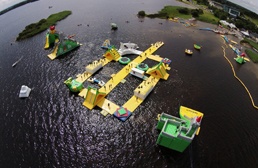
(141, 13)
(184, 11)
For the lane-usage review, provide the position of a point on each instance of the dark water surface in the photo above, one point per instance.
(51, 128)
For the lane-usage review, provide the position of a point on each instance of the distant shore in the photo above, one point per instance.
(16, 6)
(42, 25)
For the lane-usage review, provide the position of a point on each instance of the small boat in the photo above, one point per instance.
(188, 51)
(14, 64)
(197, 47)
(207, 29)
(226, 39)
(113, 26)
(174, 20)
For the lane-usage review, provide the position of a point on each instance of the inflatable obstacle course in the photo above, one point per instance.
(178, 133)
(240, 59)
(158, 71)
(128, 48)
(73, 85)
(96, 97)
(52, 37)
(93, 97)
(106, 44)
(112, 54)
(63, 47)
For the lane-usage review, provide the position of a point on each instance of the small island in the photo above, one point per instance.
(42, 25)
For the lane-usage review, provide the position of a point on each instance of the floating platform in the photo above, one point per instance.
(178, 133)
(122, 114)
(24, 92)
(96, 97)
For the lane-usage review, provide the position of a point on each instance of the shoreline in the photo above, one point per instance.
(16, 6)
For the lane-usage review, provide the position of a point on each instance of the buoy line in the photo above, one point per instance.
(234, 73)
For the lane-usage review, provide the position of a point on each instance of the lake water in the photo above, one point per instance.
(51, 128)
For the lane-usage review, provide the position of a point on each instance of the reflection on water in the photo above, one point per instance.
(52, 128)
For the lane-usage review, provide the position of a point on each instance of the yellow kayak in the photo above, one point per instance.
(189, 52)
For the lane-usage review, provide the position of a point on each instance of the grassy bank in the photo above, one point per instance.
(42, 25)
(255, 21)
(250, 42)
(208, 18)
(184, 13)
(252, 55)
(171, 12)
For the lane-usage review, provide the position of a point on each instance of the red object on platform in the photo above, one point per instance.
(52, 27)
(198, 119)
(243, 55)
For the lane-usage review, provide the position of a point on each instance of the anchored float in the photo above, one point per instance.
(24, 92)
(73, 85)
(197, 47)
(188, 51)
(128, 48)
(52, 37)
(178, 133)
(62, 45)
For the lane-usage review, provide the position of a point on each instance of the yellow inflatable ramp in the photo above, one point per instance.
(83, 92)
(47, 42)
(53, 54)
(189, 113)
(158, 71)
(108, 106)
(93, 97)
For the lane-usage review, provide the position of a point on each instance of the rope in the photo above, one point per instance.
(234, 73)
